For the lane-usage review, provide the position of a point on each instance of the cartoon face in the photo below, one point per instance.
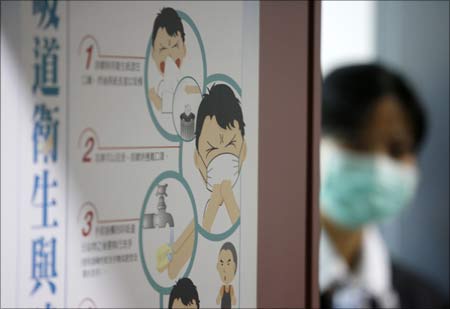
(214, 141)
(168, 46)
(177, 303)
(226, 266)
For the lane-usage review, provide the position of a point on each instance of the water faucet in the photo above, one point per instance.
(161, 218)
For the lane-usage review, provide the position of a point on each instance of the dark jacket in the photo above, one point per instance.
(412, 290)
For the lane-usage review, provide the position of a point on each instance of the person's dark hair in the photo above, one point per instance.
(168, 18)
(185, 290)
(222, 103)
(229, 246)
(351, 92)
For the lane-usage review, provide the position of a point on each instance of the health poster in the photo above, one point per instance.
(158, 131)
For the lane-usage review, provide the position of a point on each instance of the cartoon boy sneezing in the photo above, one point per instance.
(168, 54)
(220, 152)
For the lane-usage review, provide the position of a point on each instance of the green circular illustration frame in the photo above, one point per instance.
(166, 175)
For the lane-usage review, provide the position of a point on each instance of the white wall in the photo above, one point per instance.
(348, 33)
(413, 37)
(10, 100)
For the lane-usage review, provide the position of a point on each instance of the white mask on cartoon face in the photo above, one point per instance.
(223, 167)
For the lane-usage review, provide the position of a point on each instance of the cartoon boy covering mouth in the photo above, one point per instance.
(221, 151)
(168, 54)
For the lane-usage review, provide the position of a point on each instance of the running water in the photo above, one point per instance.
(171, 236)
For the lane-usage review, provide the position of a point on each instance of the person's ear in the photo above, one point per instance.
(184, 49)
(153, 53)
(196, 159)
(244, 151)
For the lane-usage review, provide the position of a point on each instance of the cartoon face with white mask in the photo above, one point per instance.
(168, 53)
(221, 149)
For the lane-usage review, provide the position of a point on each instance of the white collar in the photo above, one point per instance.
(373, 272)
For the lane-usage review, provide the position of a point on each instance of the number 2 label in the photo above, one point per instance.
(89, 144)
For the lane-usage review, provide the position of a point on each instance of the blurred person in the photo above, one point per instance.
(373, 127)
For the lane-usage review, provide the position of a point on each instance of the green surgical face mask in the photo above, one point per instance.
(360, 189)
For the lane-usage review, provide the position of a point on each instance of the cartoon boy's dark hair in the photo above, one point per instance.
(168, 18)
(222, 103)
(186, 291)
(229, 246)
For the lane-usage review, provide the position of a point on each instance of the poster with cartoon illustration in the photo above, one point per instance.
(162, 117)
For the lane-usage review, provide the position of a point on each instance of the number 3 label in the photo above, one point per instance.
(87, 228)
